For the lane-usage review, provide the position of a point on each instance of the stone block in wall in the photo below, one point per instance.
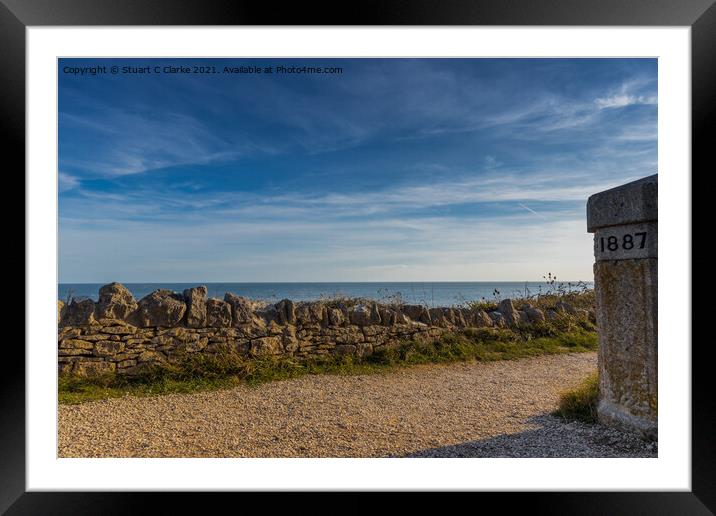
(79, 313)
(105, 321)
(311, 313)
(417, 313)
(60, 310)
(290, 344)
(242, 308)
(360, 315)
(272, 329)
(161, 308)
(345, 349)
(371, 330)
(481, 319)
(162, 340)
(349, 335)
(124, 356)
(115, 302)
(68, 332)
(459, 317)
(108, 347)
(305, 344)
(287, 311)
(388, 316)
(335, 317)
(375, 314)
(467, 317)
(119, 330)
(151, 357)
(266, 346)
(195, 299)
(87, 368)
(498, 319)
(94, 337)
(535, 315)
(68, 352)
(182, 334)
(227, 332)
(128, 337)
(75, 344)
(218, 313)
(270, 315)
(441, 317)
(401, 319)
(193, 346)
(509, 313)
(522, 318)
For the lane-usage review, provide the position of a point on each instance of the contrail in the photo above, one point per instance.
(531, 210)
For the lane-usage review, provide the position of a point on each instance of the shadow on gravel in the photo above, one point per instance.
(553, 437)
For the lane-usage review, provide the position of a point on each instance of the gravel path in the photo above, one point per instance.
(456, 410)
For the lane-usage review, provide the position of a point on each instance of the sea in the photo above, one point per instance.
(433, 294)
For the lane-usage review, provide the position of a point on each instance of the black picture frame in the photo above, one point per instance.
(17, 15)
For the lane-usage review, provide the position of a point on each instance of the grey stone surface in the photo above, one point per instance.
(242, 308)
(218, 313)
(360, 315)
(626, 295)
(79, 313)
(535, 314)
(195, 299)
(626, 204)
(115, 302)
(418, 313)
(161, 308)
(624, 220)
(287, 310)
(627, 242)
(510, 315)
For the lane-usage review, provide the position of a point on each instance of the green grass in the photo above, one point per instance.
(580, 403)
(198, 372)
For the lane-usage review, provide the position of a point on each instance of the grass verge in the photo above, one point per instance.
(580, 403)
(199, 372)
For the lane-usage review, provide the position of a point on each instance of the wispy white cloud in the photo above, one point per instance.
(621, 100)
(554, 186)
(67, 182)
(140, 141)
(627, 95)
(531, 210)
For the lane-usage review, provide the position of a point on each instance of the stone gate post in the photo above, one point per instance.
(624, 223)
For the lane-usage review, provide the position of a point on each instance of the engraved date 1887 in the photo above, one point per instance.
(627, 242)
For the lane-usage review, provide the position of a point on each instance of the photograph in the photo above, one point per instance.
(357, 257)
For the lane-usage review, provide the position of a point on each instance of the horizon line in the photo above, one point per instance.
(316, 282)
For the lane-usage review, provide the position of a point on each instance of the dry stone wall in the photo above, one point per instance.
(119, 334)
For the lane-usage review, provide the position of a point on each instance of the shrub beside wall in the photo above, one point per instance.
(119, 334)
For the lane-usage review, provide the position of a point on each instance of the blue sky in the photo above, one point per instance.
(393, 170)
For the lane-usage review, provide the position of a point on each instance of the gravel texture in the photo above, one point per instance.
(497, 409)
